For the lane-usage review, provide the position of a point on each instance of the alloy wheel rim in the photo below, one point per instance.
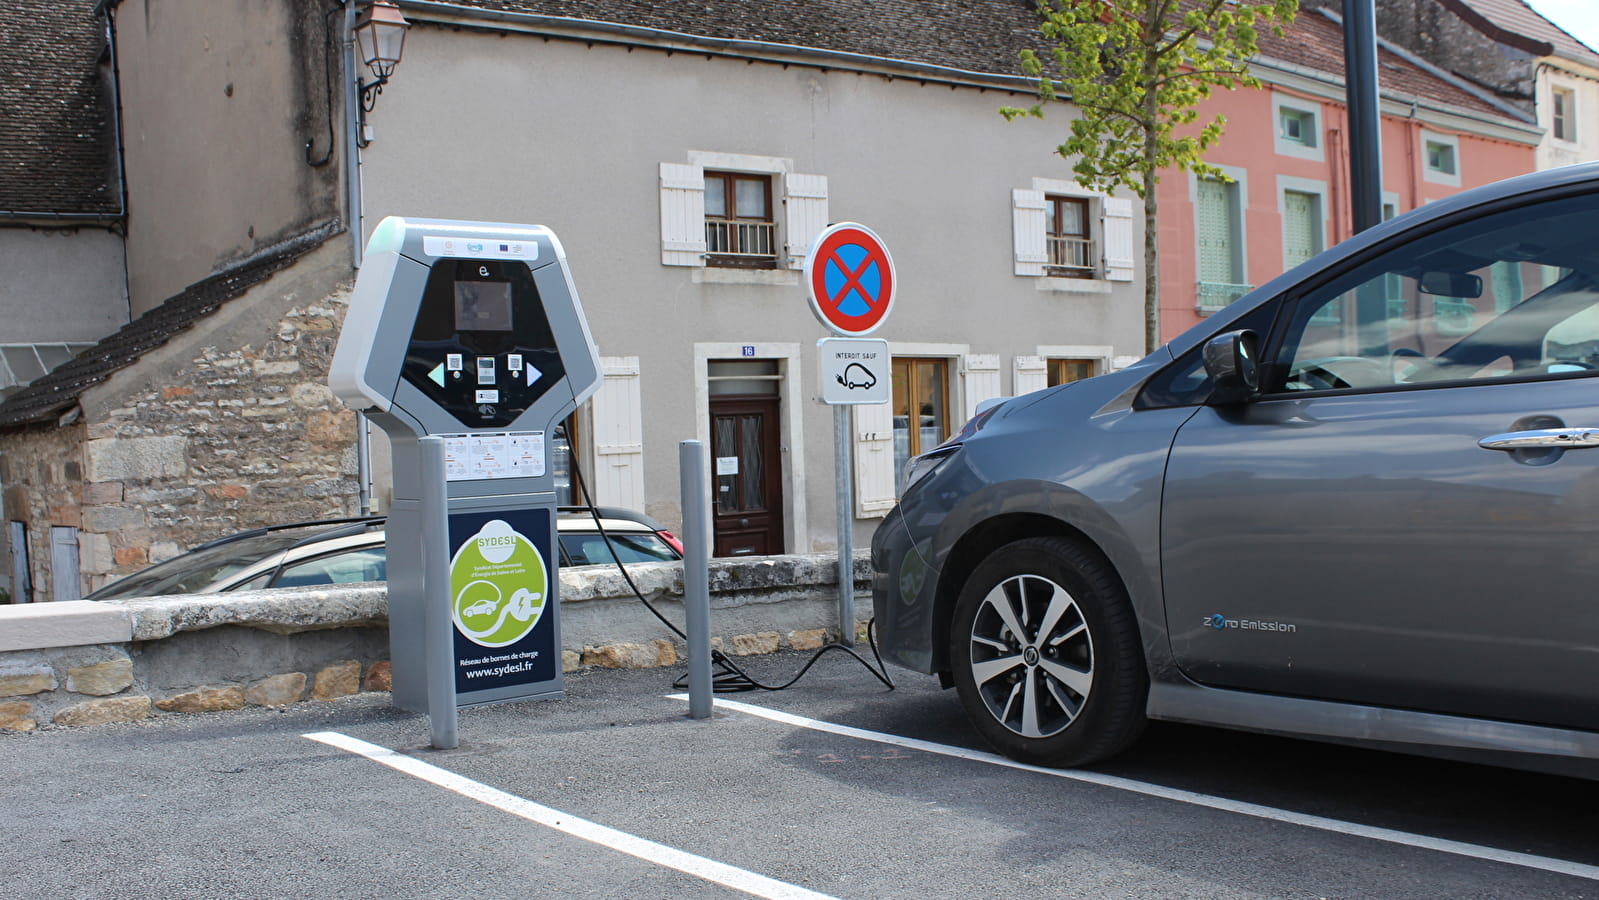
(1032, 657)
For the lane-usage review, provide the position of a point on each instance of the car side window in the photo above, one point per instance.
(1504, 296)
(590, 549)
(368, 564)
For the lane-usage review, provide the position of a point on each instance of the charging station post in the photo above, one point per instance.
(439, 654)
(465, 342)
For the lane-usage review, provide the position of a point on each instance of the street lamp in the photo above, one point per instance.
(380, 35)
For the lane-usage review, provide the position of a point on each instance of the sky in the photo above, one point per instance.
(1580, 18)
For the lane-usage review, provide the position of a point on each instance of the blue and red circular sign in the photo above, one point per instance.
(851, 279)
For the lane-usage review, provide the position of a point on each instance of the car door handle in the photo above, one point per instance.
(1542, 439)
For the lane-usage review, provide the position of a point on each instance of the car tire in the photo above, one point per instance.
(1045, 654)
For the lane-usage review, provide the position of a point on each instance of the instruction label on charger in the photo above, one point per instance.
(480, 457)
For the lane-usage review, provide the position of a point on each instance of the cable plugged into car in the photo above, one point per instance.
(729, 678)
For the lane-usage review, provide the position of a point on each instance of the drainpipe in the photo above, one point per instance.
(352, 144)
(352, 184)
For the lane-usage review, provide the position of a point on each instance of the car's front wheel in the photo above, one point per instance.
(1045, 654)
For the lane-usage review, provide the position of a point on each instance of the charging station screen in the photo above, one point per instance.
(483, 306)
(482, 347)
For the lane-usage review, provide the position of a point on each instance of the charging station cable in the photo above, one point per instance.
(731, 679)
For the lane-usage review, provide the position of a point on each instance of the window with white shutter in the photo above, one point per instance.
(616, 411)
(719, 209)
(1060, 228)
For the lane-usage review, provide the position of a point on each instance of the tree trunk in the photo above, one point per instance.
(1151, 248)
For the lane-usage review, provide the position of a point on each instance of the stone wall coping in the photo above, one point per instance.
(281, 610)
(733, 582)
(68, 623)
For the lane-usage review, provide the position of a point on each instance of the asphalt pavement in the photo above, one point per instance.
(836, 788)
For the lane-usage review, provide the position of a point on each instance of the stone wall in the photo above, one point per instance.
(231, 425)
(42, 472)
(93, 663)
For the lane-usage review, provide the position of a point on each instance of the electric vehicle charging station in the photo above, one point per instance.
(465, 342)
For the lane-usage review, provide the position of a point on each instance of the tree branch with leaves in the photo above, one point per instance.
(1137, 71)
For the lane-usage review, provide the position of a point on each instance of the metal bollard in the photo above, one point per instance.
(696, 575)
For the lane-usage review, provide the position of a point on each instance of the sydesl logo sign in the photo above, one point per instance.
(499, 582)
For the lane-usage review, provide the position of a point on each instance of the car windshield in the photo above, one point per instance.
(195, 571)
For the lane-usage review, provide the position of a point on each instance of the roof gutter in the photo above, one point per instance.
(28, 217)
(442, 12)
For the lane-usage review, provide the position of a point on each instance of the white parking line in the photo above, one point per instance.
(647, 850)
(1458, 848)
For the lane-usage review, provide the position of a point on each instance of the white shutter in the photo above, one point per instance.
(1027, 224)
(981, 378)
(1117, 223)
(805, 214)
(1029, 373)
(682, 215)
(618, 422)
(874, 459)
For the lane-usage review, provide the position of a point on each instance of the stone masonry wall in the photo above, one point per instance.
(42, 471)
(200, 653)
(229, 426)
(245, 436)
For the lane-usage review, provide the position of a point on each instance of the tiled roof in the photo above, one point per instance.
(983, 36)
(1316, 41)
(1517, 17)
(53, 394)
(57, 147)
(975, 35)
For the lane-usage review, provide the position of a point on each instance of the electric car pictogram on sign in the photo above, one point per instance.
(851, 279)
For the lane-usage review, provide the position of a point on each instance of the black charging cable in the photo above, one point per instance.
(730, 679)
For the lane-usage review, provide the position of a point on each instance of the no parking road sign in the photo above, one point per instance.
(851, 279)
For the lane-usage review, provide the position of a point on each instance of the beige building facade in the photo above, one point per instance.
(686, 159)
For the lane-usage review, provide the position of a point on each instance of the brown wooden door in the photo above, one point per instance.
(746, 469)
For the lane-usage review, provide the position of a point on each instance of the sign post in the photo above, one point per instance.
(851, 282)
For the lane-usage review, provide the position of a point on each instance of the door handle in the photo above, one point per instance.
(1542, 439)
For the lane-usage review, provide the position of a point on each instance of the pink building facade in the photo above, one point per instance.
(1286, 153)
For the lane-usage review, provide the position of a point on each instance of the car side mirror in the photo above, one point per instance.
(1230, 362)
(1464, 285)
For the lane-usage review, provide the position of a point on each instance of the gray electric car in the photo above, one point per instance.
(1361, 504)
